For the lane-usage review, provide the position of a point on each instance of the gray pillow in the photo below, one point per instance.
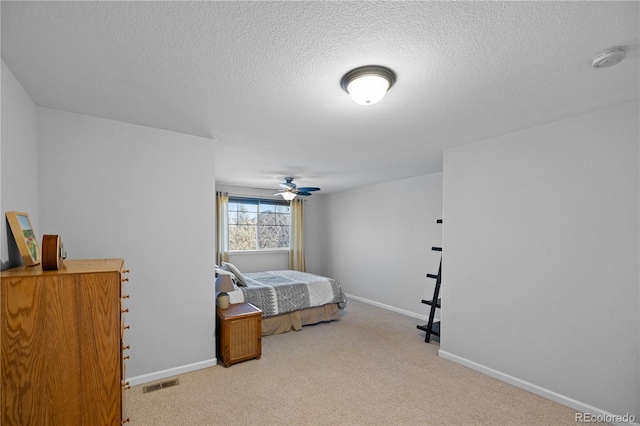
(241, 281)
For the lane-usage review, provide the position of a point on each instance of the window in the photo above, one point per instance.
(256, 224)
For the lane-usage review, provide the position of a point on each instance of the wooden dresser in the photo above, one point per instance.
(62, 344)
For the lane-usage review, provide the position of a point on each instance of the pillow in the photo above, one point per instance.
(235, 271)
(220, 271)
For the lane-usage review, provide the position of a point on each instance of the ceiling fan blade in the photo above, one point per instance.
(303, 193)
(308, 189)
(287, 185)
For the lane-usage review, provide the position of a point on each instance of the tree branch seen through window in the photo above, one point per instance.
(258, 224)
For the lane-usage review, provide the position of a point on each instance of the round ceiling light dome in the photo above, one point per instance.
(368, 85)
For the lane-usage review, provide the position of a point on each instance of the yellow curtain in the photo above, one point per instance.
(296, 245)
(222, 228)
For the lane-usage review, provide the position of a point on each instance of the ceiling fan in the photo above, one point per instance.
(290, 190)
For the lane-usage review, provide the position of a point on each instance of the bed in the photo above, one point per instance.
(288, 299)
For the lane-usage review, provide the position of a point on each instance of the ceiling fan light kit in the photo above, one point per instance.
(288, 195)
(368, 85)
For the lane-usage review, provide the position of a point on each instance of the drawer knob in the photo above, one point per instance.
(126, 357)
(125, 310)
(125, 271)
(127, 327)
(126, 386)
(125, 280)
(126, 296)
(127, 420)
(124, 348)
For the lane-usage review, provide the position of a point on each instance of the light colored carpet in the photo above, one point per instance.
(370, 368)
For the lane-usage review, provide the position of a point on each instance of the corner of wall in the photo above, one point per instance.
(19, 161)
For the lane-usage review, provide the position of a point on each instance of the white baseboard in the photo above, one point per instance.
(163, 374)
(389, 308)
(538, 390)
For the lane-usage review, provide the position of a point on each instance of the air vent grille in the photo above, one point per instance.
(161, 385)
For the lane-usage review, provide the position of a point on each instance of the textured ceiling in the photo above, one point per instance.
(262, 78)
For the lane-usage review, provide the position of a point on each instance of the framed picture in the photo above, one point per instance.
(25, 237)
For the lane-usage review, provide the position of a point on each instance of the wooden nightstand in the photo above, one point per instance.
(239, 333)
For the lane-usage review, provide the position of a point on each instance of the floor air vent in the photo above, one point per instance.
(161, 385)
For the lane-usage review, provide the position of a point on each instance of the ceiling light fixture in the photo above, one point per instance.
(288, 195)
(368, 85)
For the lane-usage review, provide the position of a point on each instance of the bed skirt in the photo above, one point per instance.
(295, 320)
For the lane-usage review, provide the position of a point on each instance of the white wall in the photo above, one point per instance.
(19, 163)
(113, 189)
(379, 239)
(541, 272)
